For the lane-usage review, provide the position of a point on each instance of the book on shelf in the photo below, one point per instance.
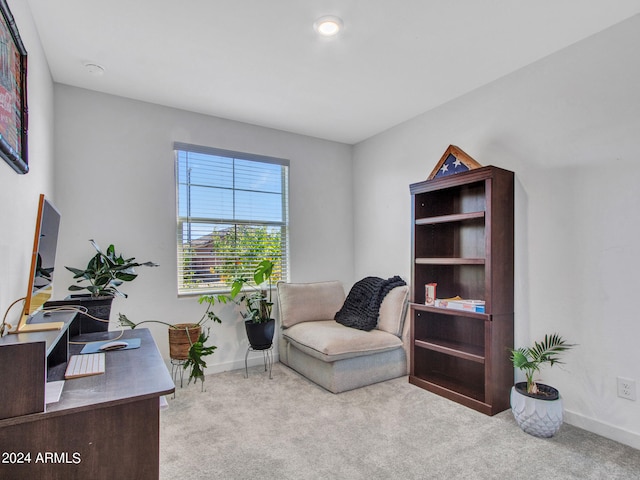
(458, 303)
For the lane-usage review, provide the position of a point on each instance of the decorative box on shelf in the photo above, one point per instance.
(461, 304)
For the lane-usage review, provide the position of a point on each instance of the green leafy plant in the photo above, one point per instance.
(529, 360)
(195, 361)
(197, 349)
(124, 321)
(105, 272)
(256, 302)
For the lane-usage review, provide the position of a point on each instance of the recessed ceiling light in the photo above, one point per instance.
(94, 69)
(328, 26)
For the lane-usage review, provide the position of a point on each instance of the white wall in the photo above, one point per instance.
(569, 127)
(19, 193)
(115, 178)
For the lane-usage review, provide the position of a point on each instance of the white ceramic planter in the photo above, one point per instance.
(540, 418)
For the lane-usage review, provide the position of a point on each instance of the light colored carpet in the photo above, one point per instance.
(289, 428)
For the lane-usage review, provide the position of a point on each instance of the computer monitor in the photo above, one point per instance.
(43, 261)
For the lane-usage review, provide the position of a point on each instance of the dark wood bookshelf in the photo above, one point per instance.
(462, 239)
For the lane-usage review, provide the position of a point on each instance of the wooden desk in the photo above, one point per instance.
(104, 426)
(21, 371)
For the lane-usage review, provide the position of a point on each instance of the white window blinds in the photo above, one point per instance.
(232, 212)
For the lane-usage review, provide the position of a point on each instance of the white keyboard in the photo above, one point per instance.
(85, 365)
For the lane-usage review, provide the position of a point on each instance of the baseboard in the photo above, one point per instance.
(254, 359)
(604, 429)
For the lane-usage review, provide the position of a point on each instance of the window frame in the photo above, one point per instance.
(179, 147)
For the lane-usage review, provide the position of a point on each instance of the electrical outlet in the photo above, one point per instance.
(626, 388)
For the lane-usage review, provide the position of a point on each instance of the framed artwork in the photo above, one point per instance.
(13, 93)
(453, 161)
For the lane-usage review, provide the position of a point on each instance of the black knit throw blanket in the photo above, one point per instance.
(362, 306)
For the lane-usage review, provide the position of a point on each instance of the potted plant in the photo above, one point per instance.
(186, 340)
(256, 304)
(537, 407)
(102, 277)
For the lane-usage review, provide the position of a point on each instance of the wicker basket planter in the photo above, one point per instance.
(181, 336)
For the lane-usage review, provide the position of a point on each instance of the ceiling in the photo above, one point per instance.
(260, 61)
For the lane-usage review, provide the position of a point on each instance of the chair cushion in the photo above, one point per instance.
(330, 341)
(393, 310)
(307, 302)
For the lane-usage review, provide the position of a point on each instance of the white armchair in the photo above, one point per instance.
(334, 356)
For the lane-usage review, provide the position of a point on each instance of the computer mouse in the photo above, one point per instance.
(116, 345)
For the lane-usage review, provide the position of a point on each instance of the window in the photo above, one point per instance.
(232, 212)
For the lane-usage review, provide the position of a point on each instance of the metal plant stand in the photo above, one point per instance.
(267, 355)
(177, 370)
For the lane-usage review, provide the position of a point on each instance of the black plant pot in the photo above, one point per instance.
(545, 392)
(260, 335)
(99, 307)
